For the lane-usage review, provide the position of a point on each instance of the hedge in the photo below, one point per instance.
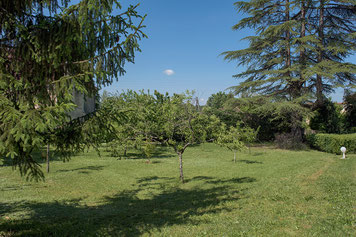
(333, 142)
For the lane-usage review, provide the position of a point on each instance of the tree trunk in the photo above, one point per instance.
(125, 151)
(288, 58)
(302, 51)
(234, 156)
(297, 130)
(293, 85)
(181, 166)
(47, 158)
(319, 79)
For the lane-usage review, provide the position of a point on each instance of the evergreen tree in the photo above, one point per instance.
(299, 47)
(269, 59)
(332, 33)
(50, 48)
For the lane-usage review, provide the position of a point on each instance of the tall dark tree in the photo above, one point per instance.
(269, 55)
(300, 47)
(49, 49)
(350, 110)
(332, 30)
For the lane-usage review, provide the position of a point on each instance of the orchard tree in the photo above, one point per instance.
(49, 49)
(184, 125)
(141, 125)
(248, 135)
(236, 137)
(232, 140)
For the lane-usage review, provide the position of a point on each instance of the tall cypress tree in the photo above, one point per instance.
(50, 48)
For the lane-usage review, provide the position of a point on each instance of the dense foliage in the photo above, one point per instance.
(235, 137)
(327, 118)
(49, 49)
(333, 142)
(299, 48)
(350, 111)
(152, 119)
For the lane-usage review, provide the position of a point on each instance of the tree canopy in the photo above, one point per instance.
(50, 48)
(299, 47)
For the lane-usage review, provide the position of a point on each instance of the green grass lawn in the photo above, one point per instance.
(269, 192)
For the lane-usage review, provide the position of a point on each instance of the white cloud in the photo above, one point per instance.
(168, 72)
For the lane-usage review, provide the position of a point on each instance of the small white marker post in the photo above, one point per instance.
(343, 150)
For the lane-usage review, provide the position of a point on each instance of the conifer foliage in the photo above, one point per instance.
(299, 47)
(48, 49)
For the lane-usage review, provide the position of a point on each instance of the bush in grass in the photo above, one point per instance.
(333, 142)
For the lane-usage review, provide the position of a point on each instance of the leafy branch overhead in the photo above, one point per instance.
(49, 49)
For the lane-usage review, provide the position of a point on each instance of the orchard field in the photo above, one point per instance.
(267, 192)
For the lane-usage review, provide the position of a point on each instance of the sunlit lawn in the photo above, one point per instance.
(269, 192)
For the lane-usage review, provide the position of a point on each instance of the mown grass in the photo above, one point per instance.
(269, 192)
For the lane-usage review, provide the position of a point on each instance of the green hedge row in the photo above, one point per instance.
(333, 142)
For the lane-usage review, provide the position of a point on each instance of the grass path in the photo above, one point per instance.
(269, 192)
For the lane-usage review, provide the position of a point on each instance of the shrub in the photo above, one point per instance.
(333, 142)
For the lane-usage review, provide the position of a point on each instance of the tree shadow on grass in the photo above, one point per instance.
(212, 180)
(250, 161)
(160, 152)
(84, 170)
(124, 214)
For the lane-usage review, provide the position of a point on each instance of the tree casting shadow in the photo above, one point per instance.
(123, 214)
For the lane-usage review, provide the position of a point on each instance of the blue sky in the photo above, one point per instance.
(186, 37)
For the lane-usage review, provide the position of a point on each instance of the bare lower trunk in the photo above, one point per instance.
(297, 130)
(319, 79)
(181, 166)
(234, 156)
(47, 158)
(302, 57)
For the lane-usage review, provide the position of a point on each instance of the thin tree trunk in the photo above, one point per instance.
(181, 166)
(288, 58)
(319, 85)
(47, 158)
(234, 156)
(302, 51)
(288, 51)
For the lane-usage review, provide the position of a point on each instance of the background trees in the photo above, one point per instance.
(159, 119)
(48, 50)
(350, 111)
